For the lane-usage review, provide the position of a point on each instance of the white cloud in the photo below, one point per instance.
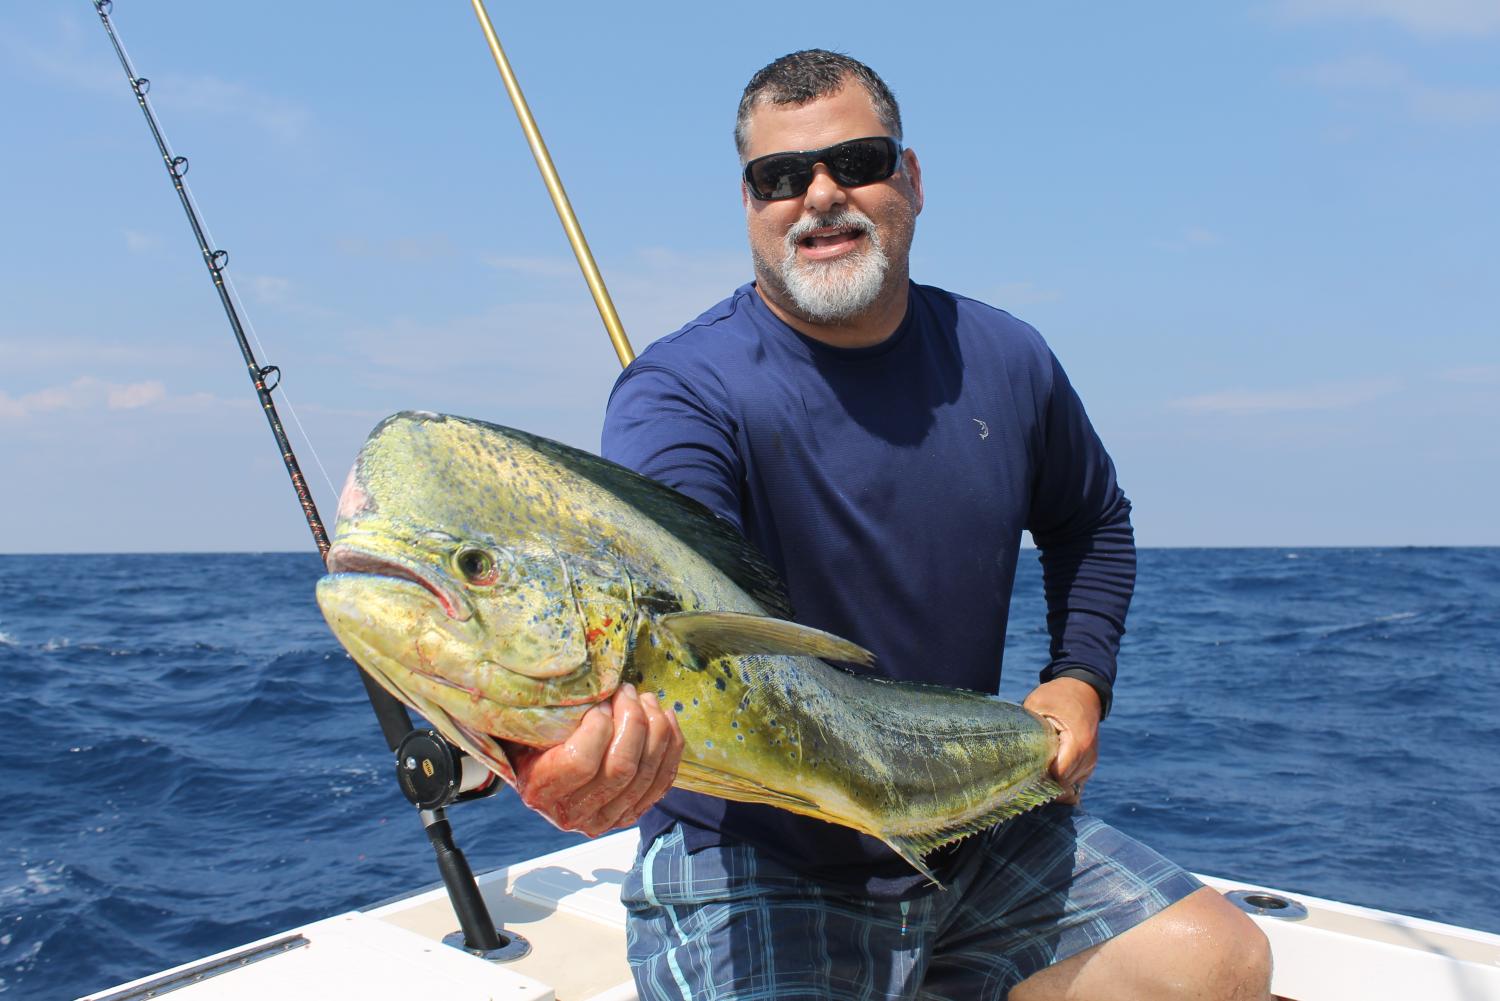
(139, 243)
(1328, 396)
(278, 117)
(1456, 107)
(1428, 17)
(1011, 294)
(280, 294)
(1473, 375)
(90, 394)
(72, 68)
(502, 362)
(1376, 75)
(135, 395)
(535, 267)
(399, 248)
(70, 64)
(1191, 238)
(45, 351)
(270, 289)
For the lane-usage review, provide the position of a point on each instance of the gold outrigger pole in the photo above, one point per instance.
(559, 196)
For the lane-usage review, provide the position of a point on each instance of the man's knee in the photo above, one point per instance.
(1200, 947)
(1237, 960)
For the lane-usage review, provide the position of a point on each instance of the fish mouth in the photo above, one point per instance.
(346, 559)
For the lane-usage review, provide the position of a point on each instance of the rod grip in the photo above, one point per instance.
(473, 916)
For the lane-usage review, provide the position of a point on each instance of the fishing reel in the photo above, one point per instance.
(433, 773)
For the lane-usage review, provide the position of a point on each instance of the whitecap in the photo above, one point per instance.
(6, 639)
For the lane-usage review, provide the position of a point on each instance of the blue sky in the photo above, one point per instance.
(1261, 237)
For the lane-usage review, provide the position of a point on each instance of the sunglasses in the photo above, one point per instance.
(853, 163)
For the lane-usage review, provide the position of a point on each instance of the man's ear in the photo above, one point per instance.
(913, 171)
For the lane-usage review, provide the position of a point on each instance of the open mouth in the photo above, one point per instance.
(830, 240)
(344, 558)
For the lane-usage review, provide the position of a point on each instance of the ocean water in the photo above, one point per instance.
(191, 762)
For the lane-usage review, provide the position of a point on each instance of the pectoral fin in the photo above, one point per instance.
(697, 778)
(727, 634)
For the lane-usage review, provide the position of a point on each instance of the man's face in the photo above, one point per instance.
(831, 254)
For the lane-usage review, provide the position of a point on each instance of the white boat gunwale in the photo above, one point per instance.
(567, 904)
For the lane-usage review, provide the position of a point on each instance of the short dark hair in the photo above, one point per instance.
(800, 77)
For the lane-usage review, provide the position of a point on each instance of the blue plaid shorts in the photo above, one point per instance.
(727, 922)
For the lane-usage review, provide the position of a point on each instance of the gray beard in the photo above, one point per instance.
(835, 291)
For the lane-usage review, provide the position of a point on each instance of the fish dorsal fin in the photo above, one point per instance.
(707, 534)
(716, 634)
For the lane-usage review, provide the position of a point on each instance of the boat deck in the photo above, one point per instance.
(566, 905)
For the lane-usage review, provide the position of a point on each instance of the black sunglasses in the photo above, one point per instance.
(852, 163)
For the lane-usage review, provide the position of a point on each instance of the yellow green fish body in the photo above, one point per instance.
(501, 584)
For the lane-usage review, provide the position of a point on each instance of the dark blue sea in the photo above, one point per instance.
(190, 761)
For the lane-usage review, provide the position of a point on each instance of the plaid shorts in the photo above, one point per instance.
(726, 922)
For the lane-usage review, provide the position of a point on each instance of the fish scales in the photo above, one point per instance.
(501, 584)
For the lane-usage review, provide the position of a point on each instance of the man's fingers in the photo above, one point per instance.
(659, 760)
(1074, 764)
(544, 777)
(670, 760)
(622, 758)
(1075, 760)
(619, 767)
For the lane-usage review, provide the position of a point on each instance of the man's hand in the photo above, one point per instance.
(1072, 706)
(621, 759)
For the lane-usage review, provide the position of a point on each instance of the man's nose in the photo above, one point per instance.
(824, 192)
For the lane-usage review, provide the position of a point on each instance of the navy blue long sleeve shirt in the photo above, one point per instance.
(890, 486)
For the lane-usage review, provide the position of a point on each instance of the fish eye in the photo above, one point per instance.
(477, 565)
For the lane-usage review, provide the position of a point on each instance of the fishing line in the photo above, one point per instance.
(395, 724)
(239, 302)
(431, 772)
(285, 396)
(264, 378)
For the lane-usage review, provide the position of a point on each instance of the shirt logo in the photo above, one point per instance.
(984, 429)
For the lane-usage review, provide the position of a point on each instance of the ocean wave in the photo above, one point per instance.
(1258, 730)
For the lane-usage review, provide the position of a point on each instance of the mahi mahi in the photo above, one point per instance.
(501, 584)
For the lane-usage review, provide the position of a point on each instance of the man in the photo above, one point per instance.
(884, 444)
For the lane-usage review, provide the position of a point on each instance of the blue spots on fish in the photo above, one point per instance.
(719, 684)
(708, 743)
(677, 707)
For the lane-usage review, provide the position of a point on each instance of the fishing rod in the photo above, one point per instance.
(591, 275)
(430, 771)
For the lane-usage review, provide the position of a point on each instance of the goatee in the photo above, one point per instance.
(839, 290)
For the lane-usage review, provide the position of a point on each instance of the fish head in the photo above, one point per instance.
(446, 584)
